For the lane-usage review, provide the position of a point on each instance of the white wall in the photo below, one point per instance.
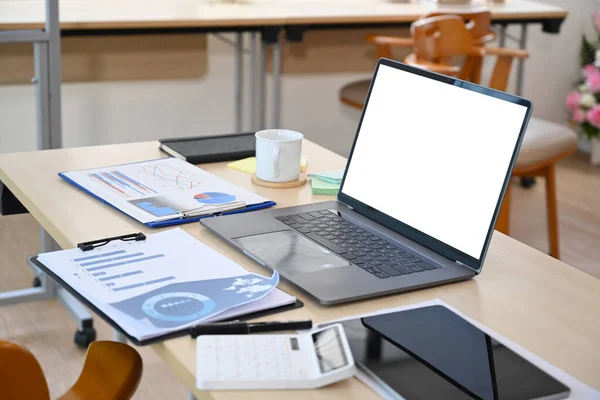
(111, 112)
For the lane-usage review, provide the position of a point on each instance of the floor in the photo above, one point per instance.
(47, 330)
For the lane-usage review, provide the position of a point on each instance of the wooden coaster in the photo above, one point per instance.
(280, 185)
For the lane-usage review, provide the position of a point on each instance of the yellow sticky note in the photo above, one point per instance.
(303, 162)
(248, 165)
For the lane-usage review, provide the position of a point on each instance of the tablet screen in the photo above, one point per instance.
(432, 353)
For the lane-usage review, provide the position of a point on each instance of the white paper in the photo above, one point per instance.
(579, 390)
(163, 189)
(151, 287)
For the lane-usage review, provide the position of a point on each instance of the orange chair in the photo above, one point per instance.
(544, 144)
(112, 371)
(477, 22)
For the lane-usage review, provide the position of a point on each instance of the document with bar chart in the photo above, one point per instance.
(165, 191)
(165, 283)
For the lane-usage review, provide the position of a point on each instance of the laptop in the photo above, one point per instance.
(421, 193)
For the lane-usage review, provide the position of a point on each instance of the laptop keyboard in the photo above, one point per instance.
(355, 244)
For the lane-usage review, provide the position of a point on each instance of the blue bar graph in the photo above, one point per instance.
(99, 274)
(112, 253)
(168, 278)
(111, 259)
(125, 262)
(108, 278)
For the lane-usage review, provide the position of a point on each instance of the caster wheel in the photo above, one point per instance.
(527, 182)
(36, 282)
(85, 337)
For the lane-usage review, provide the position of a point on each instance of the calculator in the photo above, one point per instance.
(303, 361)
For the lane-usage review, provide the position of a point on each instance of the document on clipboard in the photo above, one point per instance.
(164, 192)
(163, 284)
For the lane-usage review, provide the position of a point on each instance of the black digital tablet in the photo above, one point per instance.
(432, 353)
(208, 149)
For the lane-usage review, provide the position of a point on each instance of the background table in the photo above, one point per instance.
(540, 303)
(269, 18)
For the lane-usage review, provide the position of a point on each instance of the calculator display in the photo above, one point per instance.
(329, 349)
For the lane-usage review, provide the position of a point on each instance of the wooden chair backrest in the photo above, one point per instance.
(478, 21)
(21, 376)
(112, 371)
(438, 39)
(447, 35)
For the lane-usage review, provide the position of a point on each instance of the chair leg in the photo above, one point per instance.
(552, 211)
(503, 222)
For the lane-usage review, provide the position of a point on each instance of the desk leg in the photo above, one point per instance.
(521, 62)
(192, 396)
(502, 35)
(252, 82)
(276, 90)
(119, 337)
(239, 80)
(262, 75)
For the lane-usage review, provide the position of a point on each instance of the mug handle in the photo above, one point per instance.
(276, 153)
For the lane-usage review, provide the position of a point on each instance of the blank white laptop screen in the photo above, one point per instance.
(434, 156)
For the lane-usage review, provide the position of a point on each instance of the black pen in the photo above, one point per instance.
(244, 328)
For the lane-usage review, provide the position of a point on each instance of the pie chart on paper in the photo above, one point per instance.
(214, 198)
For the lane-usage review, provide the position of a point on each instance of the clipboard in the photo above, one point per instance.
(175, 220)
(86, 246)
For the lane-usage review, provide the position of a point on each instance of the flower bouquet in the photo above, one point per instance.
(583, 103)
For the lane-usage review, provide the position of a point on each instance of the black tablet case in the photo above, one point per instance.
(229, 150)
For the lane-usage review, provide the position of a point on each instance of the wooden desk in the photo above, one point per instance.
(540, 303)
(163, 14)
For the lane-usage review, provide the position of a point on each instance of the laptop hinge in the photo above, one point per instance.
(463, 264)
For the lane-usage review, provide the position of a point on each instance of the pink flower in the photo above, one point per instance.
(593, 116)
(596, 17)
(593, 81)
(588, 70)
(573, 100)
(578, 116)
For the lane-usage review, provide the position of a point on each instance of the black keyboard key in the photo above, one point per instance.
(410, 257)
(358, 261)
(382, 275)
(337, 241)
(360, 246)
(389, 270)
(375, 263)
(426, 266)
(297, 219)
(315, 214)
(375, 247)
(326, 243)
(403, 270)
(372, 270)
(398, 251)
(329, 229)
(368, 258)
(329, 237)
(351, 241)
(359, 253)
(406, 255)
(391, 263)
(382, 258)
(415, 268)
(417, 261)
(307, 216)
(345, 230)
(324, 212)
(295, 226)
(349, 256)
(343, 245)
(390, 247)
(304, 230)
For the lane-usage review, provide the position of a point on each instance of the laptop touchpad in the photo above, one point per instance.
(290, 253)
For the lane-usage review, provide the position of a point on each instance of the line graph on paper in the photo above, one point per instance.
(121, 183)
(172, 177)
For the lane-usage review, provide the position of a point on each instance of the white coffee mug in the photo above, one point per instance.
(278, 155)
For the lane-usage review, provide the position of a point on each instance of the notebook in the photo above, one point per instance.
(165, 192)
(164, 284)
(208, 149)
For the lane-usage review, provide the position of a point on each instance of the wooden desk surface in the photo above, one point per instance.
(95, 14)
(540, 303)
